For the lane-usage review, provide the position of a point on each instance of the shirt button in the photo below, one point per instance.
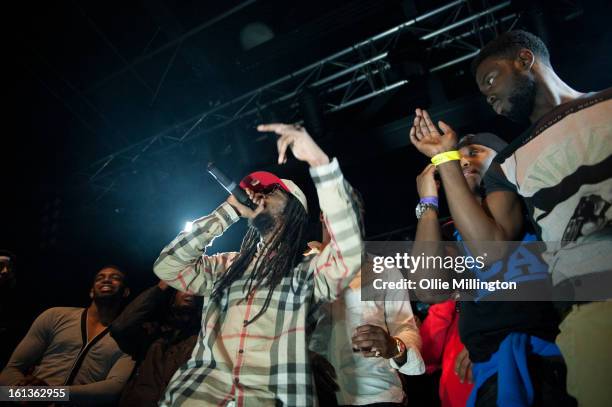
(236, 380)
(241, 351)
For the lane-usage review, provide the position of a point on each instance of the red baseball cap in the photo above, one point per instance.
(259, 181)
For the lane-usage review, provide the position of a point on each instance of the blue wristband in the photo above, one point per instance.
(429, 200)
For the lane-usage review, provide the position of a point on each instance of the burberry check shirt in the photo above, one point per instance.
(264, 363)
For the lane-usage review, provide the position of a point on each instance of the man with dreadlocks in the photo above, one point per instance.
(259, 302)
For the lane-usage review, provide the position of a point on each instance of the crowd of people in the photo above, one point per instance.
(282, 321)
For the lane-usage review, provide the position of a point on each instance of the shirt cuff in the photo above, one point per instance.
(228, 213)
(325, 175)
(414, 364)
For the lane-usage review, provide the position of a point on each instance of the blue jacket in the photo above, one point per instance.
(514, 387)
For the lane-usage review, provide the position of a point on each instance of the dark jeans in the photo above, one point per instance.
(548, 379)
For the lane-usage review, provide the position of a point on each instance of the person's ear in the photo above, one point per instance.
(91, 294)
(126, 292)
(525, 60)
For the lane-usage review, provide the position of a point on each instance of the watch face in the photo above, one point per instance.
(399, 346)
(422, 207)
(419, 210)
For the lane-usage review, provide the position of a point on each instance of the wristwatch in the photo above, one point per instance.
(401, 348)
(422, 207)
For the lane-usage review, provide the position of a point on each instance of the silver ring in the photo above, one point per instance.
(377, 354)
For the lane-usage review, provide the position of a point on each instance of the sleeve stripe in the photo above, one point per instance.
(326, 174)
(338, 253)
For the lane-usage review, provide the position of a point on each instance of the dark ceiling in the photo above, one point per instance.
(100, 80)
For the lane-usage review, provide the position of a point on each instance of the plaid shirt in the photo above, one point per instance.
(265, 363)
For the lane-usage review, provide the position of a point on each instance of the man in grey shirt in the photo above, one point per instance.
(68, 346)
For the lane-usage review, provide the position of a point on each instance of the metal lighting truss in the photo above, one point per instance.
(343, 79)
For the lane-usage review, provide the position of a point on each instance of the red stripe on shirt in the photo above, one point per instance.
(250, 336)
(339, 254)
(243, 335)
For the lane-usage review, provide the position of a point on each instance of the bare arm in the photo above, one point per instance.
(498, 219)
(428, 227)
(428, 233)
(127, 329)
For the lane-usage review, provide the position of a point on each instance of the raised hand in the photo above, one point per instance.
(426, 137)
(296, 138)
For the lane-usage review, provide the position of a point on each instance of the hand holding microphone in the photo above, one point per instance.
(246, 202)
(243, 210)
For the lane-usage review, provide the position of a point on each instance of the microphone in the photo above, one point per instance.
(230, 186)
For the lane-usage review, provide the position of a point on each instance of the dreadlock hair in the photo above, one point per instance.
(508, 44)
(285, 248)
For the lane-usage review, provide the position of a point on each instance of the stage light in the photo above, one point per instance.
(188, 227)
(254, 34)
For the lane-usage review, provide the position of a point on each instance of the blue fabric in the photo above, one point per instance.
(520, 266)
(514, 387)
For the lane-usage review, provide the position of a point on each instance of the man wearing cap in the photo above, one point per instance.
(491, 329)
(258, 303)
(561, 167)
